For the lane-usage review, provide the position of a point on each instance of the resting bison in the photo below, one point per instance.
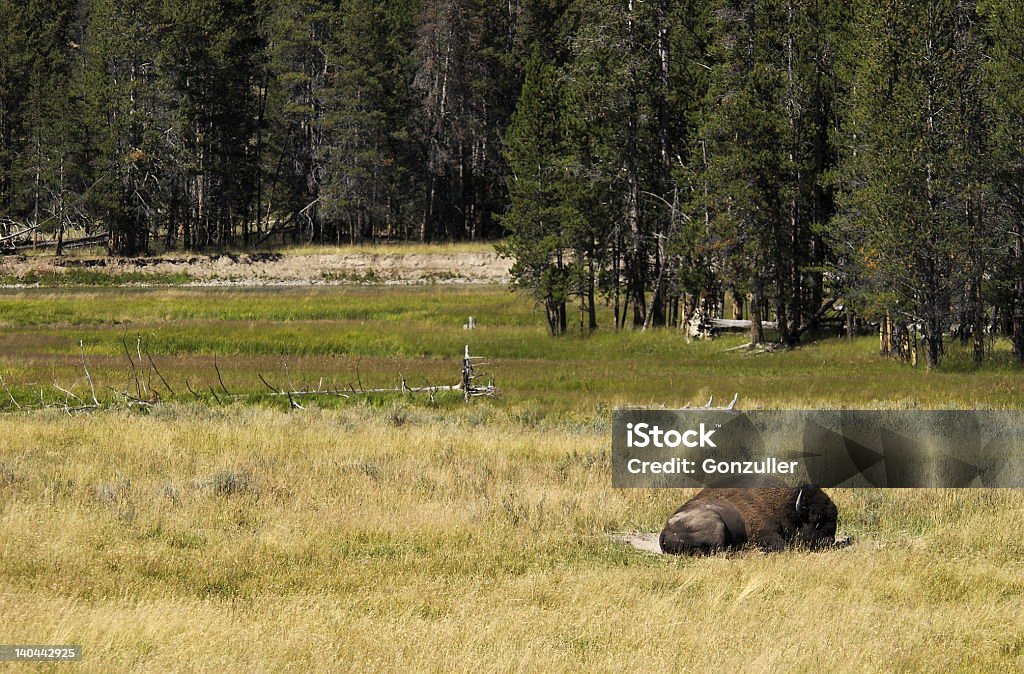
(769, 518)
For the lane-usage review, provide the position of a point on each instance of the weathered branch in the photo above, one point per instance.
(146, 397)
(88, 377)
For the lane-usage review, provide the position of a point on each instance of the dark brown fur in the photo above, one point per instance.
(720, 519)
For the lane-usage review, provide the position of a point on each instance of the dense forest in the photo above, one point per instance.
(662, 156)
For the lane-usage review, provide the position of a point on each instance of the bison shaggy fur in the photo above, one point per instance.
(770, 518)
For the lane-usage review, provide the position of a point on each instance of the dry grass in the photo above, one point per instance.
(405, 535)
(395, 247)
(248, 539)
(388, 248)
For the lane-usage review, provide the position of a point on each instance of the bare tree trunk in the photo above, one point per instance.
(979, 325)
(1018, 291)
(737, 305)
(591, 304)
(885, 335)
(978, 312)
(756, 302)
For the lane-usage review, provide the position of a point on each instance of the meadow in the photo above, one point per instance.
(375, 335)
(404, 532)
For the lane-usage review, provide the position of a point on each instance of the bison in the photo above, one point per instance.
(770, 518)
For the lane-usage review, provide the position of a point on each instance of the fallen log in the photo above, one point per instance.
(18, 234)
(706, 326)
(734, 324)
(816, 319)
(80, 242)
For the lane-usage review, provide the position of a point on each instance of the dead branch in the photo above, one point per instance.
(190, 390)
(267, 384)
(88, 377)
(219, 377)
(18, 235)
(710, 402)
(131, 400)
(146, 397)
(138, 350)
(11, 395)
(67, 393)
(153, 365)
(135, 374)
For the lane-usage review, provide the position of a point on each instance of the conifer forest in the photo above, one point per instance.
(773, 161)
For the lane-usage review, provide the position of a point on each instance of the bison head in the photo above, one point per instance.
(817, 516)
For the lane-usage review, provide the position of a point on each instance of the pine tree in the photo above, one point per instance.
(299, 36)
(119, 85)
(14, 68)
(466, 82)
(370, 185)
(615, 139)
(211, 57)
(912, 194)
(1004, 22)
(539, 214)
(48, 169)
(749, 172)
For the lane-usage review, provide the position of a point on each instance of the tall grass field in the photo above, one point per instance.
(219, 529)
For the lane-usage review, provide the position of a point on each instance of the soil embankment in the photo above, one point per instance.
(276, 269)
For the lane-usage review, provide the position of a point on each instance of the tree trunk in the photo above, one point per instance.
(1018, 291)
(756, 302)
(885, 335)
(737, 305)
(591, 304)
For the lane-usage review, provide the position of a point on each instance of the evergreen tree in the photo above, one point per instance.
(371, 187)
(212, 58)
(14, 69)
(749, 173)
(539, 215)
(299, 36)
(615, 129)
(119, 83)
(48, 168)
(911, 192)
(465, 52)
(1004, 23)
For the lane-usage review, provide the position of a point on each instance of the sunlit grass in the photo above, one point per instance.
(298, 249)
(383, 248)
(200, 538)
(359, 534)
(377, 335)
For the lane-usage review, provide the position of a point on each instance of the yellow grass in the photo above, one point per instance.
(387, 248)
(383, 247)
(356, 539)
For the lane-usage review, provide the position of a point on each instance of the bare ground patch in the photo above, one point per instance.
(450, 267)
(642, 541)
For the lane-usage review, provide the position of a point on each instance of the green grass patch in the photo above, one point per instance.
(345, 335)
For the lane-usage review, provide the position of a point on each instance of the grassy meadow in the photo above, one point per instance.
(344, 335)
(400, 532)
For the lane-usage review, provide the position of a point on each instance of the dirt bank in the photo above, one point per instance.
(277, 269)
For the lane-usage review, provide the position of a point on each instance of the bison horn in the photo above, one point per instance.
(799, 496)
